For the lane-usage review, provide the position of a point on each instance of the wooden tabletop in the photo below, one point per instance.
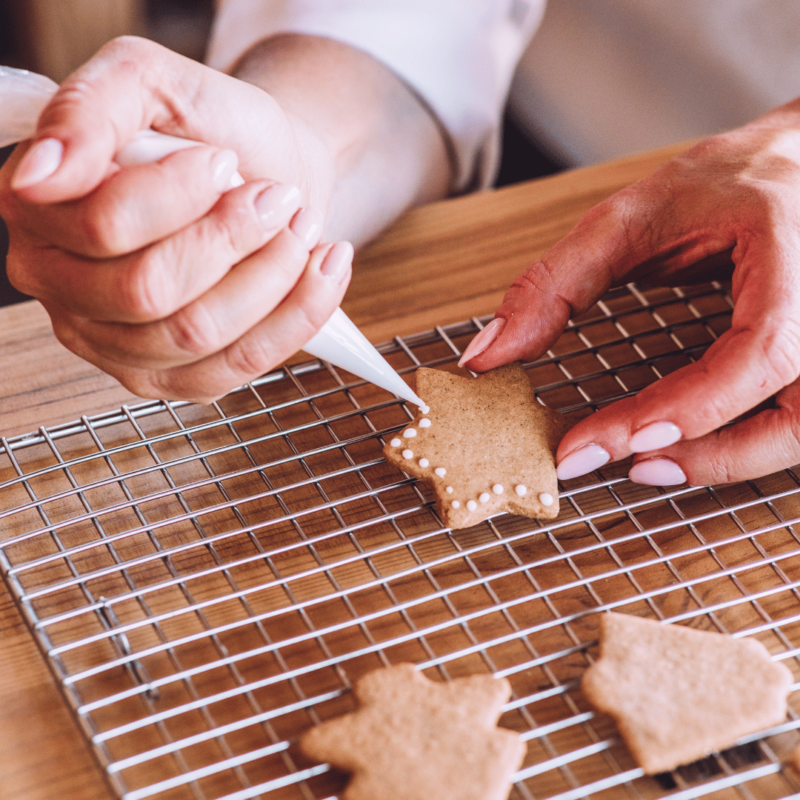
(439, 264)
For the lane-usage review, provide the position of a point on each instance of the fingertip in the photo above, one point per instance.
(306, 225)
(483, 340)
(337, 261)
(40, 162)
(224, 166)
(657, 471)
(582, 461)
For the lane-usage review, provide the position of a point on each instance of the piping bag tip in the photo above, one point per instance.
(342, 343)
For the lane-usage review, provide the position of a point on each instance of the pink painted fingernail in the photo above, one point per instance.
(483, 340)
(40, 162)
(337, 260)
(223, 166)
(306, 225)
(654, 436)
(581, 461)
(657, 472)
(276, 205)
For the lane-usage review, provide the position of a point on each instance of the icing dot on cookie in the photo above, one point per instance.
(521, 490)
(424, 409)
(484, 498)
(456, 504)
(396, 442)
(410, 433)
(498, 488)
(440, 471)
(449, 490)
(546, 499)
(424, 423)
(408, 454)
(423, 462)
(472, 505)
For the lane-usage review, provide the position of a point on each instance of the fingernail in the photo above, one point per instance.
(654, 436)
(223, 166)
(583, 460)
(337, 260)
(306, 225)
(276, 204)
(657, 472)
(40, 162)
(482, 340)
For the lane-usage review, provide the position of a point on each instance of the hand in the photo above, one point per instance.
(729, 207)
(157, 273)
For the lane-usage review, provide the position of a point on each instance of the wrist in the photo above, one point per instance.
(369, 146)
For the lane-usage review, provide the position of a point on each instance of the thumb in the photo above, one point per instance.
(564, 283)
(97, 110)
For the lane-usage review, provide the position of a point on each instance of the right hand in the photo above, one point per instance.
(157, 273)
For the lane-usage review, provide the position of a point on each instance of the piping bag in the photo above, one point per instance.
(23, 96)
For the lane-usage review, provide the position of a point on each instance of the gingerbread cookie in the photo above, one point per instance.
(485, 445)
(678, 694)
(415, 739)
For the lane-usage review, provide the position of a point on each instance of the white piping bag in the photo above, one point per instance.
(23, 96)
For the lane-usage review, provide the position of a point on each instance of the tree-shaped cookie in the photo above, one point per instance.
(485, 445)
(678, 694)
(415, 739)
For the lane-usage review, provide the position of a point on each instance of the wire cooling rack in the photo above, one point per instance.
(206, 582)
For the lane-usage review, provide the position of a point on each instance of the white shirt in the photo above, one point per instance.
(599, 79)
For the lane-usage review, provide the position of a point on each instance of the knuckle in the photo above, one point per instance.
(194, 330)
(148, 384)
(105, 229)
(19, 272)
(144, 291)
(721, 469)
(250, 357)
(782, 352)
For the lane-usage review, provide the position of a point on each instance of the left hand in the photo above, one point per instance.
(730, 206)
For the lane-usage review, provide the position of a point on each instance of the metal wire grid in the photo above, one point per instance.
(207, 582)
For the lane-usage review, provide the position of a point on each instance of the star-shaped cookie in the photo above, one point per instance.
(485, 445)
(415, 739)
(677, 694)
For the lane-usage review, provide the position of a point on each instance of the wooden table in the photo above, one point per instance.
(428, 270)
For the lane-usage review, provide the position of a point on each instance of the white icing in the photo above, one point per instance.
(449, 490)
(423, 462)
(440, 471)
(424, 423)
(472, 505)
(396, 442)
(484, 498)
(456, 504)
(498, 488)
(424, 409)
(409, 433)
(521, 490)
(408, 454)
(546, 499)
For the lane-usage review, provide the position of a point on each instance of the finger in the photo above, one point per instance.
(648, 228)
(94, 113)
(130, 85)
(220, 316)
(153, 284)
(270, 342)
(749, 363)
(759, 445)
(134, 207)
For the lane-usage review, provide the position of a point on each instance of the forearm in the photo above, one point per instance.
(387, 151)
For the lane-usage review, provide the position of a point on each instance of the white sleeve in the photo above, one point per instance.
(458, 55)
